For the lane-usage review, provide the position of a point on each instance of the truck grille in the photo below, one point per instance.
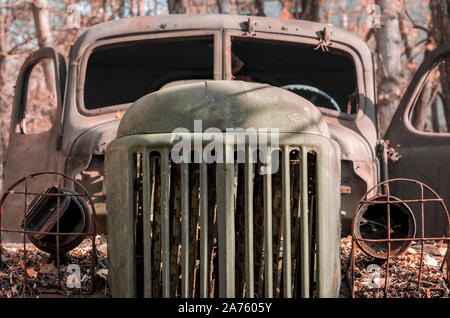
(225, 230)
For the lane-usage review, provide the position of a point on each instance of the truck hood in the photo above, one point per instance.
(222, 105)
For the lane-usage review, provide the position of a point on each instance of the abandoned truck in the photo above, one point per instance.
(136, 88)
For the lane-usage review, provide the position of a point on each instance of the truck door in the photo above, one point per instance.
(35, 123)
(420, 133)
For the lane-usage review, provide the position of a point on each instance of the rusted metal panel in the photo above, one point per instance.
(121, 221)
(424, 155)
(39, 149)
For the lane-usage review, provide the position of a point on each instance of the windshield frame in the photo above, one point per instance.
(344, 48)
(176, 35)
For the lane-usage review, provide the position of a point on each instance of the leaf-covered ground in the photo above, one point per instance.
(38, 275)
(370, 273)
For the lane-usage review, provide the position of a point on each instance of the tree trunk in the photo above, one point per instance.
(105, 16)
(310, 10)
(343, 18)
(177, 6)
(44, 37)
(258, 8)
(404, 35)
(328, 11)
(95, 9)
(3, 47)
(389, 48)
(426, 97)
(140, 8)
(223, 6)
(423, 104)
(132, 8)
(121, 8)
(285, 12)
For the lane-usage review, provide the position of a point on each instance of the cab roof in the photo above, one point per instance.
(178, 22)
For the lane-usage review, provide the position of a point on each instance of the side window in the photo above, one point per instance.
(431, 111)
(41, 100)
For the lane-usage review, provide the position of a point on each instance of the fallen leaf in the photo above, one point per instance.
(430, 46)
(440, 251)
(103, 273)
(32, 273)
(42, 261)
(103, 249)
(85, 278)
(410, 251)
(48, 269)
(427, 259)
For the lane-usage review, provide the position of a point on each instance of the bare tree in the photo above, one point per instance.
(177, 6)
(4, 47)
(43, 35)
(223, 6)
(343, 17)
(132, 8)
(389, 49)
(258, 8)
(140, 8)
(427, 98)
(429, 91)
(310, 9)
(105, 16)
(121, 8)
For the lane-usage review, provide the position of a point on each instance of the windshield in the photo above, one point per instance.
(122, 74)
(326, 79)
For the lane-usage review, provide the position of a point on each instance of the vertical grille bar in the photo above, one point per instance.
(146, 206)
(249, 272)
(268, 256)
(287, 274)
(165, 191)
(226, 230)
(184, 230)
(203, 230)
(304, 221)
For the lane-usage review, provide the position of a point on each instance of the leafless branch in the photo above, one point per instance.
(18, 5)
(369, 34)
(12, 51)
(414, 24)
